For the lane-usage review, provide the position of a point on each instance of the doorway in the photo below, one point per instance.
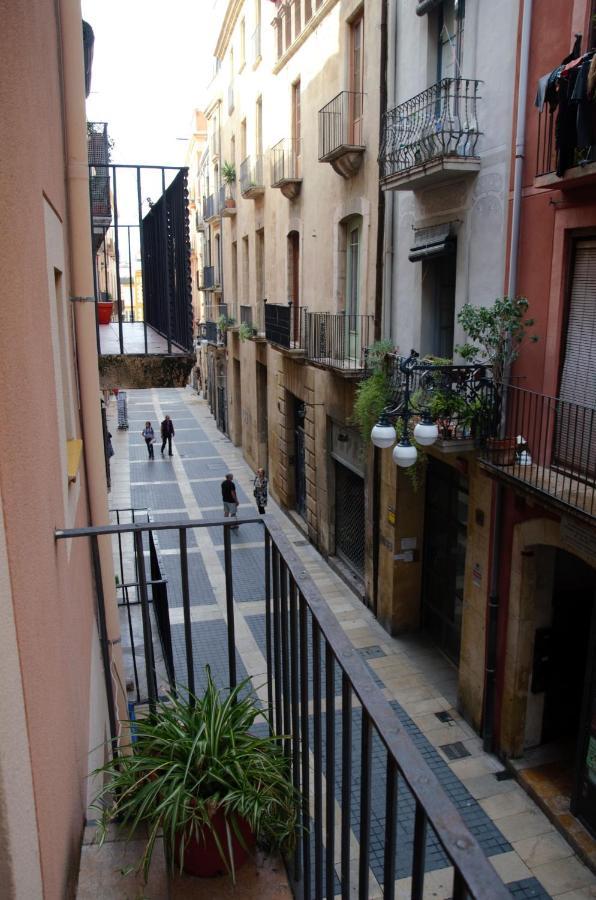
(294, 283)
(445, 539)
(438, 304)
(299, 457)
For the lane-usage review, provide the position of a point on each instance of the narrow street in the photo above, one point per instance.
(524, 847)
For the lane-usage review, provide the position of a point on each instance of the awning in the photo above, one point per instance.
(438, 240)
(425, 6)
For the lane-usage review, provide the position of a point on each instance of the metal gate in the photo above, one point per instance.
(349, 517)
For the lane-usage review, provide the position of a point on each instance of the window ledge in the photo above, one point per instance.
(74, 452)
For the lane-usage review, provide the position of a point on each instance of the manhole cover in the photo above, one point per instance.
(455, 750)
(444, 716)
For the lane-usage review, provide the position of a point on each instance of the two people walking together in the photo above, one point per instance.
(167, 433)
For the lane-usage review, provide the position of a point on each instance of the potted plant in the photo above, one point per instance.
(495, 335)
(207, 774)
(104, 309)
(228, 174)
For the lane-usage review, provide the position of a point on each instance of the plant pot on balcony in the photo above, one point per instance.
(104, 311)
(201, 856)
(501, 452)
(230, 203)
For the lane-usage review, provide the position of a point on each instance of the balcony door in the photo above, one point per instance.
(295, 165)
(356, 81)
(574, 445)
(294, 282)
(352, 325)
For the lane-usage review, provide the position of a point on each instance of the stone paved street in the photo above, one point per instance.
(520, 841)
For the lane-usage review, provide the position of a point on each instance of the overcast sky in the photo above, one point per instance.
(151, 63)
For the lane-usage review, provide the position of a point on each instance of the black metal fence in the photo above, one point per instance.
(338, 340)
(337, 727)
(282, 324)
(285, 162)
(340, 123)
(440, 121)
(141, 252)
(547, 443)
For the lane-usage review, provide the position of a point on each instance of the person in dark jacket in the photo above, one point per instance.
(167, 433)
(229, 497)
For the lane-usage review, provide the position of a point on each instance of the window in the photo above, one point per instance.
(296, 125)
(356, 80)
(353, 270)
(243, 139)
(280, 36)
(234, 270)
(242, 45)
(259, 127)
(257, 31)
(294, 277)
(307, 10)
(297, 23)
(245, 271)
(288, 25)
(450, 39)
(260, 264)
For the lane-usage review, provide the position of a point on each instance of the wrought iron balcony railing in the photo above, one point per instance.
(282, 325)
(547, 154)
(252, 182)
(211, 278)
(340, 124)
(462, 400)
(337, 340)
(285, 162)
(546, 443)
(439, 122)
(210, 207)
(358, 774)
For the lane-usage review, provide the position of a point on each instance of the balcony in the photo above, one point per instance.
(282, 326)
(341, 136)
(286, 168)
(199, 221)
(211, 278)
(211, 208)
(98, 154)
(252, 182)
(432, 137)
(337, 341)
(462, 400)
(371, 810)
(547, 446)
(226, 200)
(574, 168)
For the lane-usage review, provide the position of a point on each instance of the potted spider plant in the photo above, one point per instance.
(207, 775)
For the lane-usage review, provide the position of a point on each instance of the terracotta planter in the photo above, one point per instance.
(203, 859)
(230, 204)
(104, 311)
(502, 453)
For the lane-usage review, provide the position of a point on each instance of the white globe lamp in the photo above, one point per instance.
(404, 454)
(383, 433)
(426, 431)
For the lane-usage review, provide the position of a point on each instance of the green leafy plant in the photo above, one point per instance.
(373, 394)
(224, 322)
(245, 331)
(495, 333)
(190, 760)
(228, 173)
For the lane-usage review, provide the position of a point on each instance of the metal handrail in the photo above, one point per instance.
(439, 121)
(338, 123)
(251, 174)
(338, 340)
(285, 161)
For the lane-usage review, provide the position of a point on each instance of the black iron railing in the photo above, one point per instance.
(210, 207)
(251, 175)
(285, 162)
(211, 332)
(161, 298)
(334, 722)
(549, 444)
(246, 315)
(208, 278)
(338, 340)
(462, 400)
(340, 123)
(282, 325)
(440, 121)
(548, 154)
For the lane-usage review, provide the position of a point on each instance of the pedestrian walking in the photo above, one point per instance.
(229, 497)
(149, 436)
(260, 490)
(167, 433)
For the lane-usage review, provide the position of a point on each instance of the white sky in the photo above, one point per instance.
(151, 64)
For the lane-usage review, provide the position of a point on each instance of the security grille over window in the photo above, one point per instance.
(349, 517)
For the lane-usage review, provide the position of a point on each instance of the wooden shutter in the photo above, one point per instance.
(575, 439)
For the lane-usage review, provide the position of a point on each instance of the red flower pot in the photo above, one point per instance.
(104, 311)
(202, 857)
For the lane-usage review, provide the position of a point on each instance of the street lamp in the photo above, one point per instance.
(425, 432)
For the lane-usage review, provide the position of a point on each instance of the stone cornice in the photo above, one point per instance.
(225, 32)
(306, 32)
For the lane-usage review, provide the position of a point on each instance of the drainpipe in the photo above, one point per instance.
(81, 286)
(492, 625)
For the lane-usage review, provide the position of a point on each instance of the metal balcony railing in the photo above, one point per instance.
(440, 121)
(246, 315)
(251, 175)
(546, 443)
(282, 325)
(337, 340)
(210, 277)
(285, 162)
(340, 124)
(98, 153)
(210, 207)
(335, 725)
(548, 156)
(211, 331)
(462, 400)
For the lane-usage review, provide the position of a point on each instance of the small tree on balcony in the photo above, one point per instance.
(495, 333)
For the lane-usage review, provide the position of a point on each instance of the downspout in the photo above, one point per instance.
(81, 288)
(490, 684)
(379, 308)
